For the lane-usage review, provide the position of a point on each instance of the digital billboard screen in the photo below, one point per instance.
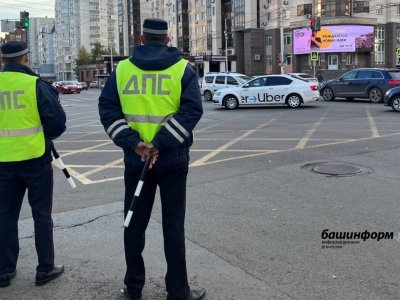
(338, 38)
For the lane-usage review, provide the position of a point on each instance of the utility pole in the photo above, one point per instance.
(226, 47)
(281, 12)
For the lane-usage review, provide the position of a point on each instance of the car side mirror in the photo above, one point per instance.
(246, 85)
(341, 79)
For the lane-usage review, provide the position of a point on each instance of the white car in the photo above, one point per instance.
(268, 90)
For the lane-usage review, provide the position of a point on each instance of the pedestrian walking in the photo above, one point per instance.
(31, 116)
(149, 106)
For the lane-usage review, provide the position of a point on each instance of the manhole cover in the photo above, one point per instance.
(336, 169)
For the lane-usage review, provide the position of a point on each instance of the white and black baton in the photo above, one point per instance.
(137, 192)
(63, 168)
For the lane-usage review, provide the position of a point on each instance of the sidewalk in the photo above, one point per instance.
(89, 242)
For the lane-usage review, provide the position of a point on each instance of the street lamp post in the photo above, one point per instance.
(226, 48)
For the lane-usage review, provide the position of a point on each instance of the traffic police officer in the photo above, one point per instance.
(30, 117)
(150, 106)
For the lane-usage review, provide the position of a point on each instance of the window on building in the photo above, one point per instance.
(398, 34)
(398, 10)
(350, 59)
(288, 59)
(268, 59)
(379, 45)
(332, 8)
(269, 16)
(269, 41)
(304, 9)
(379, 9)
(361, 7)
(287, 38)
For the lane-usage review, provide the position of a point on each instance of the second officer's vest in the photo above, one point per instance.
(21, 131)
(149, 98)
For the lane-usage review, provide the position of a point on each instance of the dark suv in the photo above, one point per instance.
(367, 83)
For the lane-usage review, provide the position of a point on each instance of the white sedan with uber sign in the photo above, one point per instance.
(268, 90)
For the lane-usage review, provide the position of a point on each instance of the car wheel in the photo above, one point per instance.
(207, 96)
(396, 103)
(350, 98)
(375, 95)
(293, 101)
(231, 102)
(327, 94)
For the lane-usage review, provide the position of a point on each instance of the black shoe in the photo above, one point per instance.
(5, 279)
(129, 296)
(193, 295)
(44, 277)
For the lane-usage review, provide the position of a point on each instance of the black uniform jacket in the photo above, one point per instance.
(174, 139)
(51, 113)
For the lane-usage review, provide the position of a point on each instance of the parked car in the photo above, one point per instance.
(267, 90)
(366, 83)
(303, 76)
(213, 82)
(69, 87)
(84, 85)
(93, 84)
(392, 98)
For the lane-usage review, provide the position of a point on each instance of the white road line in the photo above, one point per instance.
(84, 149)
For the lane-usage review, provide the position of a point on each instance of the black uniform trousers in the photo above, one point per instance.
(36, 175)
(172, 183)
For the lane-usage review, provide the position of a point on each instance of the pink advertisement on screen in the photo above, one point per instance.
(340, 38)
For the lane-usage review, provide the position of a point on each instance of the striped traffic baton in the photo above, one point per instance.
(63, 168)
(137, 192)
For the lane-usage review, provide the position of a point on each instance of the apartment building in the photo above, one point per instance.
(42, 47)
(273, 36)
(82, 23)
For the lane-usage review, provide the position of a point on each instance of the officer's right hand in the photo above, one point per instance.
(144, 150)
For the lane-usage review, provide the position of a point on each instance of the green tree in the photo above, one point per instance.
(84, 58)
(98, 50)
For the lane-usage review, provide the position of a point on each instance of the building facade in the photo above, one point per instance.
(83, 23)
(272, 36)
(43, 51)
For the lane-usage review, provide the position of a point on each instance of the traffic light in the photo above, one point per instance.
(312, 23)
(24, 19)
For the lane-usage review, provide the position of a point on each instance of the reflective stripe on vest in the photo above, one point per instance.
(21, 131)
(149, 98)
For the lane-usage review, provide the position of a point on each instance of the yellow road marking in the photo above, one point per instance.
(372, 124)
(303, 142)
(227, 145)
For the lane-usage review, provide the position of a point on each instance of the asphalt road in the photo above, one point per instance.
(253, 199)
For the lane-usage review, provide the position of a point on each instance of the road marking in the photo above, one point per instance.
(84, 149)
(215, 152)
(103, 167)
(372, 124)
(303, 142)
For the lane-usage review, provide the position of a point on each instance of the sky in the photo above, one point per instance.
(9, 9)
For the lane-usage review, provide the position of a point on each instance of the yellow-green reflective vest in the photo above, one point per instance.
(21, 131)
(149, 98)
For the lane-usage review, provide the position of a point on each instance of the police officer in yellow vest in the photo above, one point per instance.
(30, 117)
(150, 106)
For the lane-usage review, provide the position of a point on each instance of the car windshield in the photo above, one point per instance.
(395, 74)
(70, 83)
(243, 79)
